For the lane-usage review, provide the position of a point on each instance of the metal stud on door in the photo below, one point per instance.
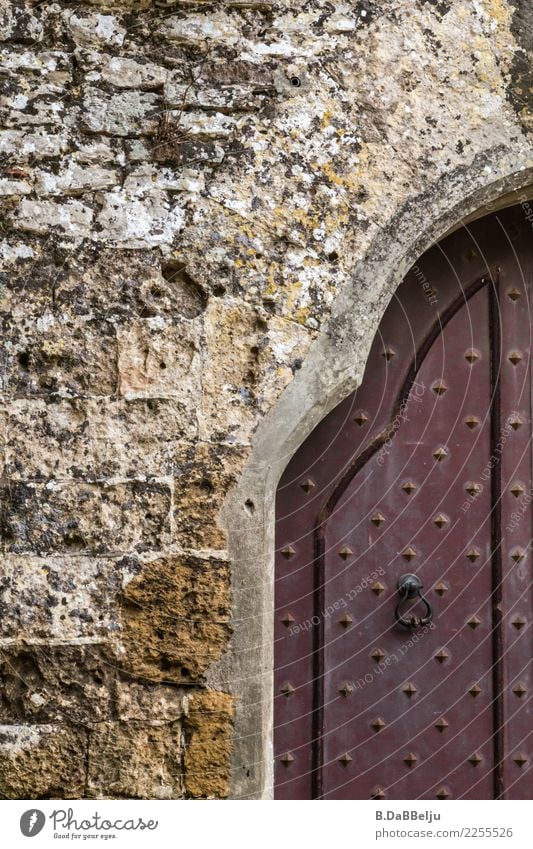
(403, 574)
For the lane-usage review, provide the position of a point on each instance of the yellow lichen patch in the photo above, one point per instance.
(326, 119)
(207, 754)
(498, 10)
(329, 171)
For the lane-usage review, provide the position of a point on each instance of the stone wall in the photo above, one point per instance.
(186, 189)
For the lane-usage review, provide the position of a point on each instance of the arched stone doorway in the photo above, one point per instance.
(404, 477)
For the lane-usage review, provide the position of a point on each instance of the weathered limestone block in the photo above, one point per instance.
(132, 223)
(126, 286)
(146, 178)
(65, 598)
(42, 761)
(74, 180)
(233, 98)
(129, 113)
(149, 702)
(203, 477)
(89, 28)
(52, 65)
(129, 73)
(160, 359)
(35, 144)
(229, 381)
(47, 355)
(215, 27)
(208, 747)
(284, 349)
(56, 683)
(210, 125)
(97, 438)
(44, 107)
(73, 218)
(175, 618)
(85, 518)
(19, 24)
(135, 761)
(14, 187)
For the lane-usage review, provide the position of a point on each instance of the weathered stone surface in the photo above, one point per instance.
(208, 727)
(96, 439)
(94, 28)
(175, 618)
(37, 144)
(131, 223)
(49, 354)
(83, 518)
(135, 761)
(46, 598)
(160, 359)
(74, 180)
(215, 27)
(128, 73)
(129, 113)
(72, 218)
(203, 477)
(229, 383)
(56, 684)
(42, 761)
(150, 702)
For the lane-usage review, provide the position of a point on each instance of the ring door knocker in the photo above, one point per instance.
(410, 586)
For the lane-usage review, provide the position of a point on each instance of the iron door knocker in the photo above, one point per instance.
(410, 586)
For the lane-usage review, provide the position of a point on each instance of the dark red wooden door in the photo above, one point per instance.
(426, 469)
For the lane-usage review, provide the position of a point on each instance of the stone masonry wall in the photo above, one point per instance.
(185, 187)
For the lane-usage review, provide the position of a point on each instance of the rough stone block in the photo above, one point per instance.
(175, 618)
(130, 222)
(95, 439)
(56, 683)
(72, 217)
(129, 113)
(150, 702)
(135, 761)
(230, 372)
(208, 729)
(74, 180)
(37, 144)
(42, 761)
(203, 477)
(215, 28)
(19, 24)
(85, 518)
(129, 73)
(46, 355)
(51, 598)
(90, 28)
(126, 286)
(160, 359)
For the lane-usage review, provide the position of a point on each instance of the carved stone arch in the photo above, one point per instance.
(331, 371)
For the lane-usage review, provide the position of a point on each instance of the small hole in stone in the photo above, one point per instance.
(185, 672)
(333, 256)
(296, 82)
(155, 293)
(24, 359)
(162, 365)
(249, 506)
(206, 485)
(218, 291)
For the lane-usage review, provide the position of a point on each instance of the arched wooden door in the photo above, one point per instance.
(425, 470)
